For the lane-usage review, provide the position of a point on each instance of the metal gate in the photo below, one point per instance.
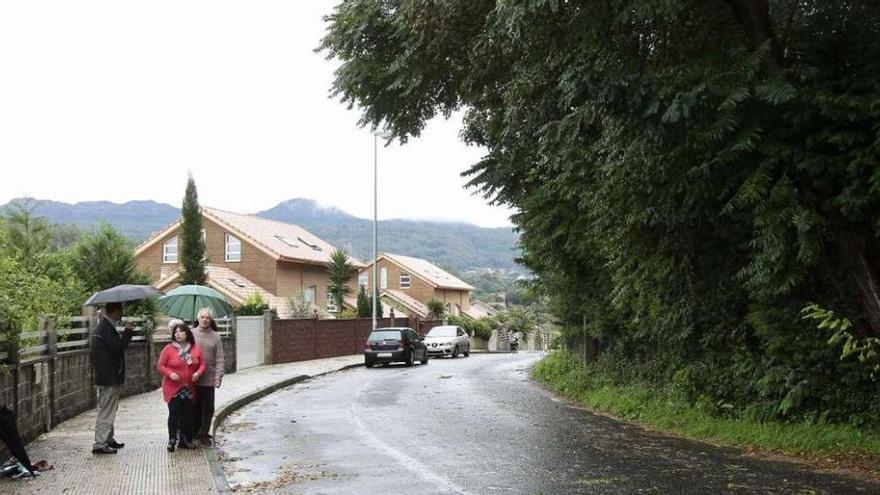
(248, 341)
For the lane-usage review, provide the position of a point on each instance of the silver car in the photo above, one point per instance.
(448, 340)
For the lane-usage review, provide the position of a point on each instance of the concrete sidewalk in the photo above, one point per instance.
(144, 466)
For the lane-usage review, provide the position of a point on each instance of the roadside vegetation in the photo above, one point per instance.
(607, 386)
(51, 269)
(696, 186)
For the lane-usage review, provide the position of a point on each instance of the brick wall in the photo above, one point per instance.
(302, 340)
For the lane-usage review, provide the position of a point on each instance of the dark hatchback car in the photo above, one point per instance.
(395, 344)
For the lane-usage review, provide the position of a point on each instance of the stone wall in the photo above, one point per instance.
(50, 389)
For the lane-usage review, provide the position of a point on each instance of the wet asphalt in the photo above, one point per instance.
(477, 425)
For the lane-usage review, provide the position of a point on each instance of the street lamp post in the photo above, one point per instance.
(376, 136)
(375, 218)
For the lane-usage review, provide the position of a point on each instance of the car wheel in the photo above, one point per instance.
(425, 356)
(368, 363)
(467, 352)
(410, 358)
(454, 352)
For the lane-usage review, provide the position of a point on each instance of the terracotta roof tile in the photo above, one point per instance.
(475, 312)
(410, 303)
(239, 288)
(429, 271)
(283, 240)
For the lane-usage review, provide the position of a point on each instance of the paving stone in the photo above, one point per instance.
(144, 466)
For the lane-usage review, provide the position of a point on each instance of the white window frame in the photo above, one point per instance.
(383, 278)
(167, 255)
(205, 245)
(310, 293)
(230, 255)
(405, 280)
(363, 279)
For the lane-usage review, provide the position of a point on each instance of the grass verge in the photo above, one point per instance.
(829, 445)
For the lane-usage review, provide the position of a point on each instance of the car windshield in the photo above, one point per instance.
(442, 332)
(385, 335)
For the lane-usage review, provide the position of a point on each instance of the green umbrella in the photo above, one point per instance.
(186, 301)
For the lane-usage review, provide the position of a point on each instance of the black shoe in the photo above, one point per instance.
(171, 444)
(115, 445)
(186, 444)
(104, 450)
(206, 441)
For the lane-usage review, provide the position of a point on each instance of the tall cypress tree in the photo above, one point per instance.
(364, 308)
(191, 243)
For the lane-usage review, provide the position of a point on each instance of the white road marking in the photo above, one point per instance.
(406, 461)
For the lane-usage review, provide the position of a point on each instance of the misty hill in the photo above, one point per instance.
(134, 219)
(451, 245)
(455, 246)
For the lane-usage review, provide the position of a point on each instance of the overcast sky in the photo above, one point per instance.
(118, 100)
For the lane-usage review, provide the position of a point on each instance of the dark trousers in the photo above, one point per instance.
(204, 410)
(180, 419)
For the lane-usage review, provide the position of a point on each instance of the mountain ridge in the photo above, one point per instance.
(458, 246)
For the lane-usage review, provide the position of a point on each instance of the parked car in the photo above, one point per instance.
(448, 340)
(395, 344)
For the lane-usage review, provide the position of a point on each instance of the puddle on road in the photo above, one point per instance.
(288, 474)
(600, 481)
(241, 426)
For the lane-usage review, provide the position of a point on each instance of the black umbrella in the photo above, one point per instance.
(9, 435)
(123, 293)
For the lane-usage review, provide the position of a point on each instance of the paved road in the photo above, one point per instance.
(476, 425)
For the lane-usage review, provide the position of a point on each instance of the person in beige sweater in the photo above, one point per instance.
(211, 345)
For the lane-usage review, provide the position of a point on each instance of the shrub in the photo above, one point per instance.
(299, 306)
(473, 327)
(435, 309)
(253, 305)
(481, 329)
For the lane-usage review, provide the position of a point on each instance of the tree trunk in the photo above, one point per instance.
(754, 15)
(855, 256)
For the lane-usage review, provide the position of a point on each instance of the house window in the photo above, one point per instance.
(362, 280)
(331, 304)
(309, 294)
(404, 280)
(169, 251)
(383, 279)
(233, 248)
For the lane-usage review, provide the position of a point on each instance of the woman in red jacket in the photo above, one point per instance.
(180, 364)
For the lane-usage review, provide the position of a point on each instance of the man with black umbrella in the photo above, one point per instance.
(108, 360)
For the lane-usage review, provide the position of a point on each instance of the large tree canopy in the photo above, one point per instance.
(689, 174)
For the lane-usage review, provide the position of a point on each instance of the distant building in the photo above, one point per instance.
(408, 284)
(246, 254)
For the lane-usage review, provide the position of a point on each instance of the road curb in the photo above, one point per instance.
(220, 482)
